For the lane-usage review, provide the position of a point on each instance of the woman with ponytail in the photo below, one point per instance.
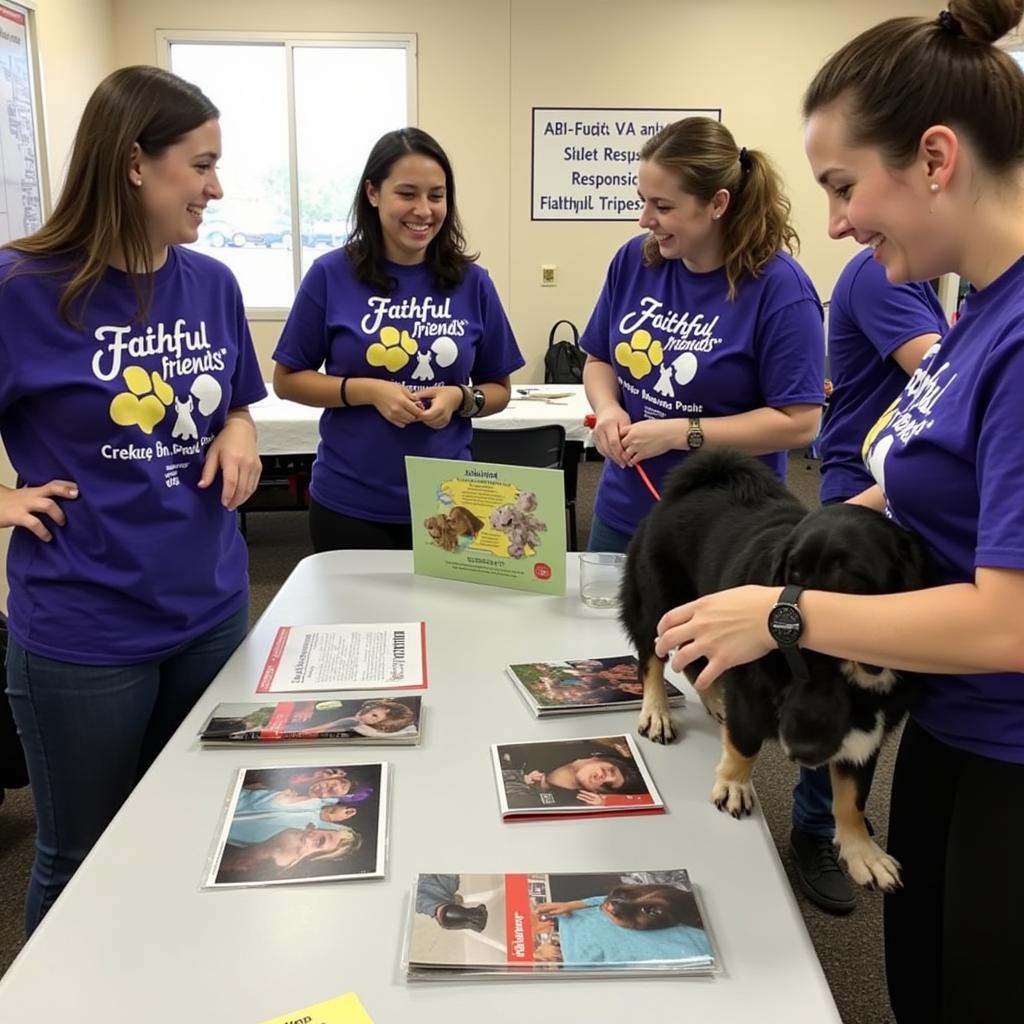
(707, 332)
(915, 129)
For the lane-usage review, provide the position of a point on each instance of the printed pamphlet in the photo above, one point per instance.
(363, 656)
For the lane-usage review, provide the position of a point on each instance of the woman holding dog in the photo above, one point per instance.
(707, 332)
(412, 339)
(916, 131)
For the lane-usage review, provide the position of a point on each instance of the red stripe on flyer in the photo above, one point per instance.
(6, 12)
(518, 931)
(273, 660)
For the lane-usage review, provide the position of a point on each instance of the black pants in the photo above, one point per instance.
(953, 933)
(331, 531)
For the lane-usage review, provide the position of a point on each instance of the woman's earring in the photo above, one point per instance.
(934, 186)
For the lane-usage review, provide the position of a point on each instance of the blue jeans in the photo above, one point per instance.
(606, 538)
(812, 802)
(90, 732)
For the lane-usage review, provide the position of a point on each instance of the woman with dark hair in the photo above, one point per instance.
(707, 333)
(412, 338)
(126, 369)
(915, 129)
(567, 774)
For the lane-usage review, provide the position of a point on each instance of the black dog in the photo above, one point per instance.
(725, 520)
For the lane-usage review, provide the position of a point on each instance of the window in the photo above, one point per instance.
(298, 118)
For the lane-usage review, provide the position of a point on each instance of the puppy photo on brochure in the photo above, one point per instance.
(723, 521)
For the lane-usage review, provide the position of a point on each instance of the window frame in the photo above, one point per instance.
(292, 41)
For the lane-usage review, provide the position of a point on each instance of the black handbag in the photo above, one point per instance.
(563, 361)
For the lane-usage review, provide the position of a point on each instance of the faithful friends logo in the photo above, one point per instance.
(911, 413)
(672, 355)
(429, 340)
(185, 382)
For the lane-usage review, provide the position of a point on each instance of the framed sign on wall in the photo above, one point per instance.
(585, 158)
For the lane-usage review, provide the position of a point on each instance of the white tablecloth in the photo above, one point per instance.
(287, 428)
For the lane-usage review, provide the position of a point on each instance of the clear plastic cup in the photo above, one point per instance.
(601, 578)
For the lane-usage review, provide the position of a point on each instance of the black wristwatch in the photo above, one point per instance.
(695, 434)
(786, 626)
(473, 401)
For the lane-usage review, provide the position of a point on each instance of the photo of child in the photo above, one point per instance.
(578, 775)
(380, 718)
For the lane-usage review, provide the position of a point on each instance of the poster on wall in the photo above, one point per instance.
(21, 205)
(585, 158)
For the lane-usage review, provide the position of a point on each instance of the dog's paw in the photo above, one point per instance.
(732, 797)
(656, 725)
(870, 866)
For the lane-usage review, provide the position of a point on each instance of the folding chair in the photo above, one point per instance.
(542, 447)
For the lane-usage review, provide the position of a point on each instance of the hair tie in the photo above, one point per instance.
(744, 160)
(950, 23)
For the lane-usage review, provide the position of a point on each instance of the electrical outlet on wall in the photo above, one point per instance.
(548, 275)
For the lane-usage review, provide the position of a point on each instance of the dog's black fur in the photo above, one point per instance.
(725, 520)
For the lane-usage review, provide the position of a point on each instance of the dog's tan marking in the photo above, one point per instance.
(882, 681)
(655, 717)
(713, 699)
(733, 791)
(869, 865)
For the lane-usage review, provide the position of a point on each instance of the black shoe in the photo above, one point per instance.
(454, 916)
(819, 874)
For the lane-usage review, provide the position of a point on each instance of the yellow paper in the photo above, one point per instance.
(344, 1009)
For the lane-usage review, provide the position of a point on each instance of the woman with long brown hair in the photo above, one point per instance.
(126, 369)
(707, 332)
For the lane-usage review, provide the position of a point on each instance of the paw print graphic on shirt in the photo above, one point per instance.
(145, 402)
(640, 354)
(393, 351)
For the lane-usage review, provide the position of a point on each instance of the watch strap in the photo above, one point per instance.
(790, 594)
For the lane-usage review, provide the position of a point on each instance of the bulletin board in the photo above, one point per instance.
(21, 158)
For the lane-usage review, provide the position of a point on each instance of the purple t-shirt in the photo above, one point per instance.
(949, 456)
(680, 348)
(421, 335)
(146, 561)
(868, 320)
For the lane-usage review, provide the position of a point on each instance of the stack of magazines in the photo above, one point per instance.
(628, 923)
(386, 720)
(585, 684)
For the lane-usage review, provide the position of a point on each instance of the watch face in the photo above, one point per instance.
(695, 438)
(785, 625)
(478, 399)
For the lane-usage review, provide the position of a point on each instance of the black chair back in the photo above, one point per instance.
(541, 447)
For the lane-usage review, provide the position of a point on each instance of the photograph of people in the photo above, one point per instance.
(318, 814)
(569, 772)
(293, 853)
(914, 130)
(707, 332)
(412, 338)
(128, 575)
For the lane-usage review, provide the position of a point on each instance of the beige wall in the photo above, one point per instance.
(484, 63)
(75, 42)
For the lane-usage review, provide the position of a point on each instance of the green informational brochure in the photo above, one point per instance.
(481, 522)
